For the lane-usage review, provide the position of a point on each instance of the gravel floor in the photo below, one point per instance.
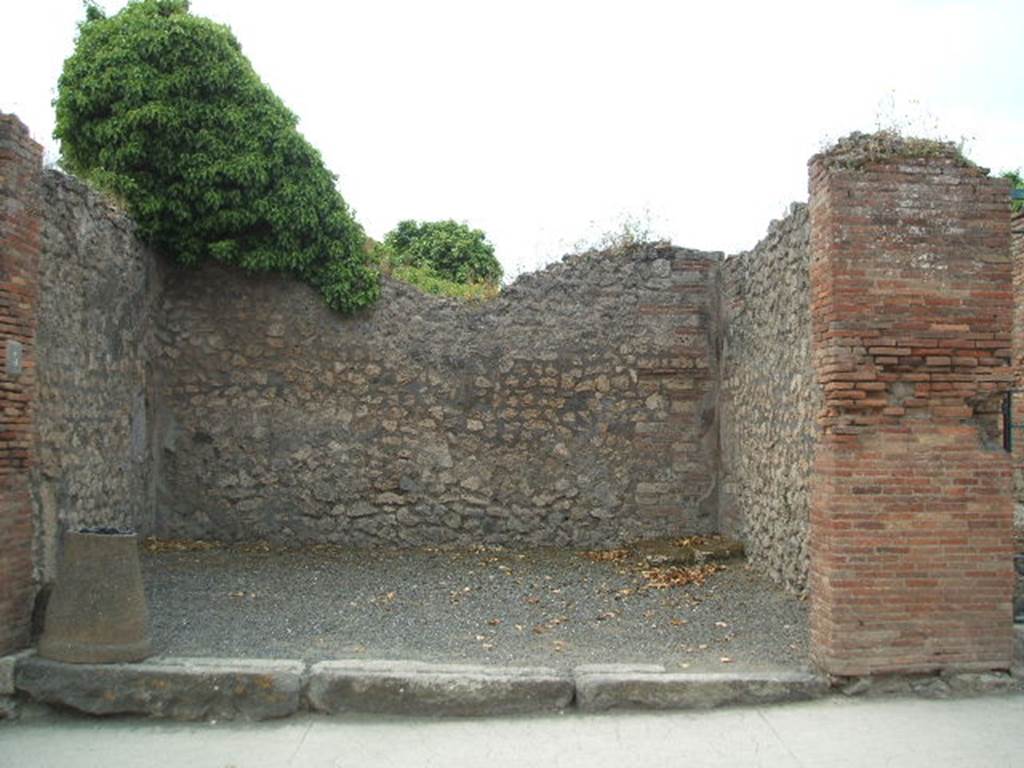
(536, 607)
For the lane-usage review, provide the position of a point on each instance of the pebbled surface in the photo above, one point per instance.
(543, 607)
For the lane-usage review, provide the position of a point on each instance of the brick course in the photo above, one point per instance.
(911, 504)
(20, 225)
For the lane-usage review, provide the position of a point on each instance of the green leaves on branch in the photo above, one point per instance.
(162, 109)
(1018, 183)
(452, 251)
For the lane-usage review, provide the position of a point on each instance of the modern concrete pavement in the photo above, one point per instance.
(834, 732)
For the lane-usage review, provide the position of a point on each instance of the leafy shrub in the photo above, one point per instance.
(1018, 184)
(427, 280)
(451, 250)
(162, 109)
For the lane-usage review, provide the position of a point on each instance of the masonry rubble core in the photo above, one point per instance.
(831, 397)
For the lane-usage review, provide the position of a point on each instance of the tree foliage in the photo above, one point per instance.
(1018, 184)
(162, 109)
(451, 250)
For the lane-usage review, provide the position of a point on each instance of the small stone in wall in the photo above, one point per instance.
(472, 483)
(474, 425)
(655, 402)
(361, 509)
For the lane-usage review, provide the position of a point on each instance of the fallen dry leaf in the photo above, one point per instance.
(678, 576)
(254, 546)
(603, 555)
(153, 544)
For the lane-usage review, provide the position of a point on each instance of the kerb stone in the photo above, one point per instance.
(600, 688)
(409, 688)
(178, 688)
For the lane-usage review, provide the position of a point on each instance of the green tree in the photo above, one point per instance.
(451, 250)
(1018, 184)
(162, 109)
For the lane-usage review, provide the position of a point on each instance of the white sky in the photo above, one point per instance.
(545, 123)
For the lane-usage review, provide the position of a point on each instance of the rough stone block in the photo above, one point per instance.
(982, 683)
(931, 686)
(643, 688)
(7, 666)
(178, 688)
(410, 688)
(8, 708)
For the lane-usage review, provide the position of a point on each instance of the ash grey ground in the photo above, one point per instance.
(510, 608)
(838, 733)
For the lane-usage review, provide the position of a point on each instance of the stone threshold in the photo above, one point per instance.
(261, 689)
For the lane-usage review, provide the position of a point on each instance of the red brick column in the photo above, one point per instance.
(911, 508)
(1017, 250)
(20, 242)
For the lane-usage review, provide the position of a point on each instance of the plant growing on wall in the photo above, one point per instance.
(162, 109)
(628, 230)
(452, 251)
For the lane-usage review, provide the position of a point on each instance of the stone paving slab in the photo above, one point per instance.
(178, 688)
(603, 687)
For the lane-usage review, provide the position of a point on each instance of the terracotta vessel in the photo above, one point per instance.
(97, 612)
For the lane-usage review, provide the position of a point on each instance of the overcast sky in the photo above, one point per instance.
(546, 123)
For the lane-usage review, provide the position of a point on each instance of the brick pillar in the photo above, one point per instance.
(911, 506)
(20, 240)
(1017, 249)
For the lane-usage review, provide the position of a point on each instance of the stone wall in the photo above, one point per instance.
(98, 287)
(769, 400)
(20, 245)
(577, 408)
